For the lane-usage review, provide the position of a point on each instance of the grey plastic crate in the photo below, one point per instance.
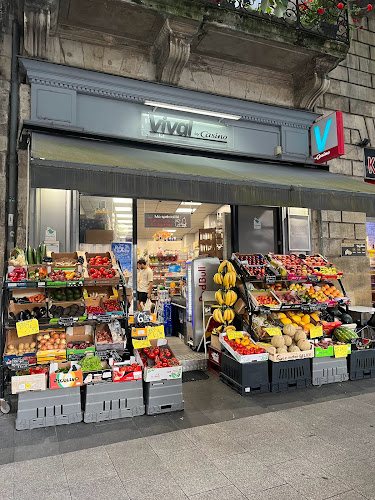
(113, 400)
(329, 370)
(49, 408)
(163, 396)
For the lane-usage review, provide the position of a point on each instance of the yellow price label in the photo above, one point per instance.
(316, 331)
(235, 335)
(140, 344)
(341, 351)
(28, 327)
(273, 331)
(155, 332)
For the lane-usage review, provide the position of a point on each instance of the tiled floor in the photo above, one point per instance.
(314, 444)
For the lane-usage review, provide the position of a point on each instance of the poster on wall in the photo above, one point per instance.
(168, 221)
(123, 253)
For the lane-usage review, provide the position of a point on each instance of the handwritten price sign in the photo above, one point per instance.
(155, 332)
(273, 331)
(341, 351)
(140, 344)
(28, 327)
(316, 331)
(235, 335)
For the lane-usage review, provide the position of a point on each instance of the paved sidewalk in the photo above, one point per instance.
(316, 444)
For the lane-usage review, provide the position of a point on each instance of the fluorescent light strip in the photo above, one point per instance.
(123, 209)
(185, 210)
(122, 200)
(169, 230)
(124, 216)
(190, 203)
(197, 111)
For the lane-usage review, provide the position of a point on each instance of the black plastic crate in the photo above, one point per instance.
(289, 375)
(362, 364)
(245, 378)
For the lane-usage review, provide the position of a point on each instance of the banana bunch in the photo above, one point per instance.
(230, 298)
(229, 265)
(218, 278)
(220, 299)
(218, 315)
(228, 315)
(229, 328)
(229, 279)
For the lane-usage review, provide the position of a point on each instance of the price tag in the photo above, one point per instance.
(139, 332)
(140, 344)
(142, 317)
(155, 332)
(19, 363)
(66, 321)
(305, 307)
(316, 331)
(103, 318)
(41, 284)
(235, 335)
(270, 279)
(273, 331)
(341, 351)
(314, 278)
(28, 327)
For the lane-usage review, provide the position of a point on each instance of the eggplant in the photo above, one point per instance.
(43, 311)
(36, 313)
(13, 316)
(52, 309)
(59, 310)
(27, 314)
(20, 316)
(67, 311)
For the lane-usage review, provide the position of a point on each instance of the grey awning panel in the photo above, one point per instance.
(110, 169)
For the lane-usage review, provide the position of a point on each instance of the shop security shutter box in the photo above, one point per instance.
(329, 370)
(245, 378)
(112, 401)
(362, 364)
(163, 396)
(290, 375)
(49, 408)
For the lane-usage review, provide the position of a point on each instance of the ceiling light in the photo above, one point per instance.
(123, 209)
(170, 230)
(122, 200)
(124, 216)
(185, 210)
(190, 203)
(197, 111)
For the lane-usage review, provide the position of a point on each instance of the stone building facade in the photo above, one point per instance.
(189, 44)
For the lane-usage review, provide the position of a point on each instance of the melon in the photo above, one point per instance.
(277, 341)
(287, 340)
(289, 330)
(300, 336)
(304, 345)
(281, 350)
(294, 348)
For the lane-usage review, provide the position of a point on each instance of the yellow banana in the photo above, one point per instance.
(230, 267)
(218, 279)
(227, 298)
(234, 278)
(229, 328)
(233, 298)
(219, 297)
(217, 315)
(222, 265)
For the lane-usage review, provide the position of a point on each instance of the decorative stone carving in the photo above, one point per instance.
(313, 82)
(172, 49)
(37, 15)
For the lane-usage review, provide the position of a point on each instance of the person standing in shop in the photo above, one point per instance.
(145, 280)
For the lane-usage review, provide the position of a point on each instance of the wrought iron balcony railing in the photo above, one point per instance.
(328, 18)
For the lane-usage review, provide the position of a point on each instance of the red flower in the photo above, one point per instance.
(369, 7)
(340, 6)
(355, 20)
(320, 11)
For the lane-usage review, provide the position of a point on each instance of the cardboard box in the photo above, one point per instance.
(17, 308)
(101, 236)
(151, 374)
(79, 334)
(73, 378)
(215, 341)
(70, 258)
(121, 374)
(109, 255)
(240, 306)
(26, 383)
(287, 356)
(329, 352)
(103, 346)
(29, 358)
(263, 356)
(65, 304)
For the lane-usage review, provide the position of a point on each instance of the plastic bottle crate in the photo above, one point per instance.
(162, 396)
(113, 400)
(289, 375)
(214, 360)
(362, 364)
(245, 378)
(49, 408)
(329, 370)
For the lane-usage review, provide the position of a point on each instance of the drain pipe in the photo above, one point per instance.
(12, 172)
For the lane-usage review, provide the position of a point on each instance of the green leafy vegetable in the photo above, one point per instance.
(90, 363)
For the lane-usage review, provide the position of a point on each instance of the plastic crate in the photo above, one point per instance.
(113, 400)
(289, 375)
(362, 364)
(245, 378)
(49, 408)
(163, 396)
(214, 360)
(329, 370)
